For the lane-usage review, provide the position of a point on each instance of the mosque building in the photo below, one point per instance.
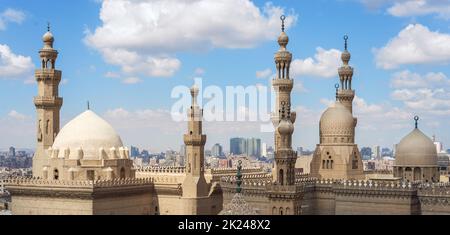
(84, 168)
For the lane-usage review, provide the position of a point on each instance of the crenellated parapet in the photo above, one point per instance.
(162, 170)
(117, 182)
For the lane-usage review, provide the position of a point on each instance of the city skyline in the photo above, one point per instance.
(388, 86)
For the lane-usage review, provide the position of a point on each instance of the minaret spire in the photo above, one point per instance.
(345, 39)
(282, 18)
(345, 93)
(416, 119)
(48, 26)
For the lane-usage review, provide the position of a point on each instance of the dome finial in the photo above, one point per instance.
(416, 119)
(345, 41)
(282, 18)
(48, 26)
(88, 106)
(239, 177)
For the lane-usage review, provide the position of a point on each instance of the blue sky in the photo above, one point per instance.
(125, 57)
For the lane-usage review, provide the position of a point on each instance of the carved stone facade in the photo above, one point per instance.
(47, 102)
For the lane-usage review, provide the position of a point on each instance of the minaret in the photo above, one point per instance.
(47, 102)
(194, 184)
(282, 84)
(345, 94)
(285, 157)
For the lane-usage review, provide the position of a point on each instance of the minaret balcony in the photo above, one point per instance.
(346, 71)
(194, 139)
(42, 101)
(47, 74)
(286, 83)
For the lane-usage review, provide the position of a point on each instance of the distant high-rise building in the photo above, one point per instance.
(134, 151)
(217, 150)
(439, 147)
(12, 152)
(376, 153)
(264, 150)
(238, 146)
(254, 147)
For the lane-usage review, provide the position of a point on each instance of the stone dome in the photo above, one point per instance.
(337, 121)
(91, 135)
(416, 149)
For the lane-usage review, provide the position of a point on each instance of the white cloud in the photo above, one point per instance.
(132, 80)
(143, 37)
(299, 87)
(324, 64)
(429, 92)
(11, 15)
(110, 74)
(16, 115)
(406, 8)
(408, 79)
(411, 8)
(13, 66)
(415, 44)
(266, 73)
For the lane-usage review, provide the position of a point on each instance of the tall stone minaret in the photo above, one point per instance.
(47, 102)
(282, 84)
(345, 94)
(194, 184)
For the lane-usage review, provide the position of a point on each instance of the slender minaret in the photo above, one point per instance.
(282, 84)
(194, 184)
(47, 102)
(345, 94)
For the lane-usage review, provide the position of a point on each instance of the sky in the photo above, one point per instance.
(128, 57)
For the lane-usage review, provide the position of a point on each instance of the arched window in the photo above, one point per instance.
(56, 174)
(122, 173)
(156, 210)
(288, 210)
(281, 210)
(331, 164)
(274, 211)
(323, 164)
(281, 176)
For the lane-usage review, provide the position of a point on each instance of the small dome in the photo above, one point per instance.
(48, 37)
(88, 132)
(285, 127)
(416, 149)
(346, 56)
(283, 39)
(337, 121)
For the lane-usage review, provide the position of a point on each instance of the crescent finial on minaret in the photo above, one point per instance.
(416, 119)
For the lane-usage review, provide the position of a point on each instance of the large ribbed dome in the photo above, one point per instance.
(337, 121)
(89, 132)
(416, 149)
